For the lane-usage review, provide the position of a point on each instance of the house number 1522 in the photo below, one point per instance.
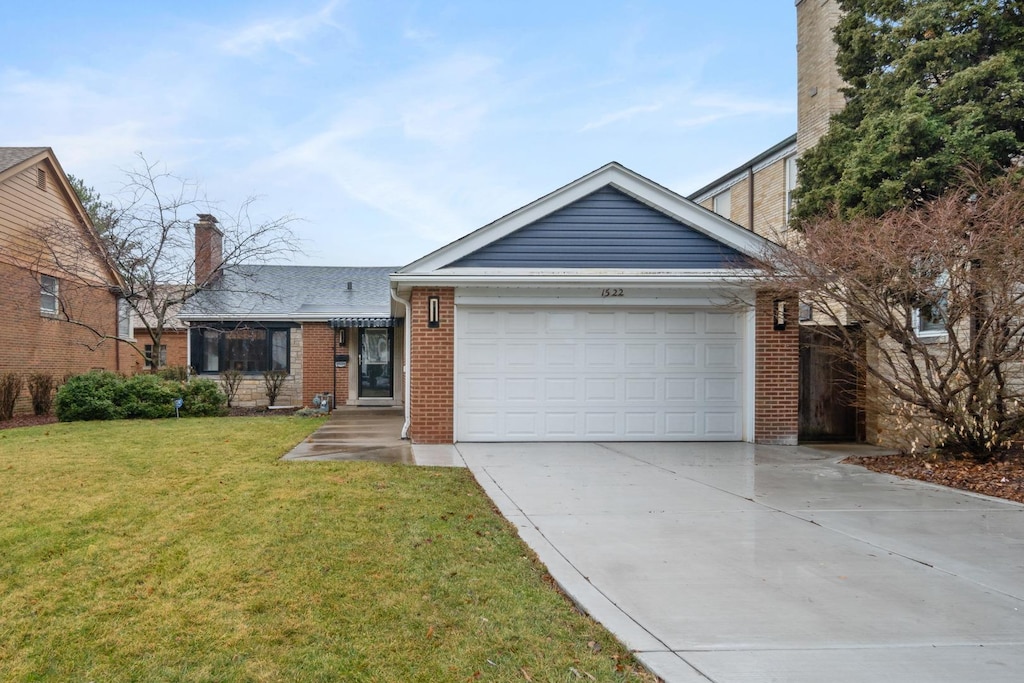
(611, 292)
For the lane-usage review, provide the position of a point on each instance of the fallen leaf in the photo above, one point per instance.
(430, 632)
(526, 675)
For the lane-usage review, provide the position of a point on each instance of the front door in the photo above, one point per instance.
(375, 361)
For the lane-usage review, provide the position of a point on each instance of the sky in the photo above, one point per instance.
(389, 128)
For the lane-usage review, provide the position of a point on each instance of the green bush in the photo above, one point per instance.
(92, 396)
(106, 396)
(149, 397)
(203, 398)
(173, 373)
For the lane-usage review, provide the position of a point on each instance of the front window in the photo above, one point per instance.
(246, 349)
(49, 290)
(930, 317)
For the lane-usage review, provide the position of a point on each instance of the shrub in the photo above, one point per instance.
(274, 380)
(149, 397)
(173, 373)
(10, 388)
(231, 379)
(41, 386)
(92, 396)
(203, 398)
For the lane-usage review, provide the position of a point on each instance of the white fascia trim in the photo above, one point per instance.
(278, 317)
(619, 177)
(534, 278)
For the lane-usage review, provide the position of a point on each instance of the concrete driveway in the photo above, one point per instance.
(730, 562)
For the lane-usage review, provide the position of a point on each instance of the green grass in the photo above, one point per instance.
(184, 550)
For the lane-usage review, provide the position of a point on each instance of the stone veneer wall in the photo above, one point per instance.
(253, 392)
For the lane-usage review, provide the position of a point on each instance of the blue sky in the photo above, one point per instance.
(392, 127)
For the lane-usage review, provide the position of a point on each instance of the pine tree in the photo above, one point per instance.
(933, 86)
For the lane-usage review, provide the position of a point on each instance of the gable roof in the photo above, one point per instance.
(685, 215)
(12, 156)
(14, 160)
(293, 293)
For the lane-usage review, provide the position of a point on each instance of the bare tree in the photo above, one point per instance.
(929, 304)
(148, 238)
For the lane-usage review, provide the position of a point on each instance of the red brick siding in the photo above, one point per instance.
(318, 371)
(31, 342)
(432, 369)
(777, 374)
(176, 341)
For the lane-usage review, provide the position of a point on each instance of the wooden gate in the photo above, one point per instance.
(828, 390)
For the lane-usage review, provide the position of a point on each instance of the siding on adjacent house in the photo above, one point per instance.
(32, 341)
(606, 229)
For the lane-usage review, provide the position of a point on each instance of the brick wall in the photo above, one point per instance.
(777, 374)
(818, 81)
(31, 342)
(432, 369)
(176, 341)
(319, 374)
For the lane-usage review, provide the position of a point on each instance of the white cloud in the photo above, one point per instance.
(620, 116)
(282, 33)
(720, 106)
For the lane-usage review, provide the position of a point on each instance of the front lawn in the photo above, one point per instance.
(184, 550)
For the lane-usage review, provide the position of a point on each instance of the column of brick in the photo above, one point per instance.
(318, 371)
(777, 373)
(432, 368)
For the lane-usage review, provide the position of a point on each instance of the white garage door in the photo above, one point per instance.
(560, 374)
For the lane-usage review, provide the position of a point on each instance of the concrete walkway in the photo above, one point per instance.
(355, 433)
(730, 562)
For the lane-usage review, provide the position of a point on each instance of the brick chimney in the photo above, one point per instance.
(209, 249)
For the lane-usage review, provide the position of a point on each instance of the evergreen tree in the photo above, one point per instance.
(933, 86)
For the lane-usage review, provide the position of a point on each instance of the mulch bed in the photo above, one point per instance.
(27, 421)
(1002, 478)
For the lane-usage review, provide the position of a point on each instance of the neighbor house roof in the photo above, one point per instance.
(778, 150)
(295, 293)
(12, 156)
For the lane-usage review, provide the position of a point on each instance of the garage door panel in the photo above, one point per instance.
(599, 375)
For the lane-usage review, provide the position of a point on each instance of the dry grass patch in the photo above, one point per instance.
(186, 551)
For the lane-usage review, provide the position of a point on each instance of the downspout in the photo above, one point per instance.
(406, 352)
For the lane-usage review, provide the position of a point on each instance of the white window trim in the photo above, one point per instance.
(124, 312)
(931, 333)
(789, 166)
(722, 200)
(55, 293)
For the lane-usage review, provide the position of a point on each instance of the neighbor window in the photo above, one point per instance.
(930, 318)
(149, 355)
(48, 292)
(247, 349)
(790, 184)
(124, 319)
(722, 203)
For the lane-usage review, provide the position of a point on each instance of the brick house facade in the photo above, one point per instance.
(60, 306)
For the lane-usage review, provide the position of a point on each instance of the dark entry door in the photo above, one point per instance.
(375, 362)
(828, 390)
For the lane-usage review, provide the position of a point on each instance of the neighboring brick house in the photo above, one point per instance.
(332, 329)
(56, 317)
(611, 309)
(173, 347)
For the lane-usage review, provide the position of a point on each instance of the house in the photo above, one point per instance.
(330, 329)
(60, 308)
(173, 347)
(611, 309)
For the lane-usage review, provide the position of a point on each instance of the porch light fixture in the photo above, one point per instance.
(342, 336)
(779, 314)
(433, 311)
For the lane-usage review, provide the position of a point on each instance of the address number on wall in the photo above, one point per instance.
(611, 292)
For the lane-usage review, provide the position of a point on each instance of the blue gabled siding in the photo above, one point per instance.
(605, 229)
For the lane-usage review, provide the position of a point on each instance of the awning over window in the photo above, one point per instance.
(365, 322)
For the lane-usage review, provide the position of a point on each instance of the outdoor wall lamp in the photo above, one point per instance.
(342, 336)
(779, 314)
(433, 311)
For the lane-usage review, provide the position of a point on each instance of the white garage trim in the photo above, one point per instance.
(608, 373)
